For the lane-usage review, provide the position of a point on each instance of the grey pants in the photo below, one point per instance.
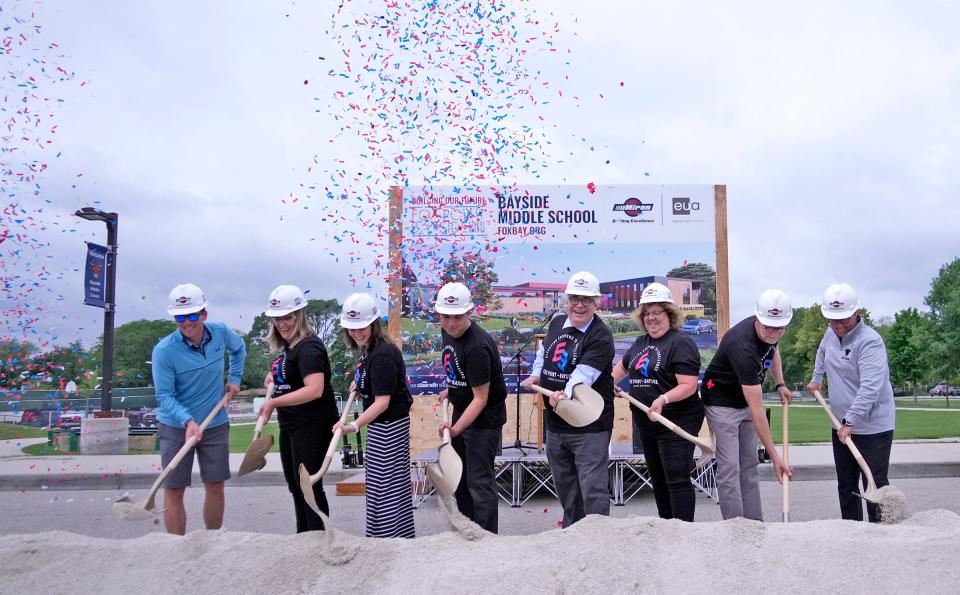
(579, 465)
(738, 475)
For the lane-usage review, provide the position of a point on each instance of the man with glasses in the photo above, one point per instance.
(188, 367)
(732, 393)
(854, 356)
(578, 349)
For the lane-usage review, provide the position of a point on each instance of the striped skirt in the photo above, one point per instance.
(387, 469)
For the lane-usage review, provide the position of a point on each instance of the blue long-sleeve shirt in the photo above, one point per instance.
(860, 389)
(189, 379)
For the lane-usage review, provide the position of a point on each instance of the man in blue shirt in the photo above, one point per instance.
(188, 369)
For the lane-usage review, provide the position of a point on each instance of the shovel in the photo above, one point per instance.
(146, 508)
(307, 481)
(705, 447)
(445, 473)
(872, 494)
(583, 409)
(786, 462)
(255, 457)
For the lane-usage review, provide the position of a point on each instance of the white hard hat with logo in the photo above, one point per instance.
(359, 311)
(655, 293)
(839, 302)
(453, 299)
(284, 300)
(773, 308)
(583, 283)
(186, 298)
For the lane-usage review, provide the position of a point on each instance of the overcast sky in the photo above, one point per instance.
(834, 126)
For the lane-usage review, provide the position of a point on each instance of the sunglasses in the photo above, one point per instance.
(191, 317)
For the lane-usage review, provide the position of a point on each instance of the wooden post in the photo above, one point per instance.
(723, 270)
(395, 257)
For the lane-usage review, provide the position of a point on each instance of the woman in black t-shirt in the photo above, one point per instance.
(663, 366)
(302, 397)
(381, 381)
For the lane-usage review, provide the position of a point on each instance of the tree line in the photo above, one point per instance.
(923, 347)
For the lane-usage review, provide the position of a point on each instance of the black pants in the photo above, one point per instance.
(875, 449)
(670, 462)
(307, 445)
(477, 493)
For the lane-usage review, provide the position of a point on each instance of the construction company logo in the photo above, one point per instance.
(685, 210)
(634, 208)
(451, 365)
(183, 301)
(836, 306)
(775, 312)
(643, 365)
(274, 303)
(352, 315)
(581, 282)
(452, 300)
(562, 355)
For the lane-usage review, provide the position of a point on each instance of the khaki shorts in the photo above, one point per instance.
(213, 452)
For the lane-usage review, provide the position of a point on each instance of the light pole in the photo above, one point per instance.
(109, 306)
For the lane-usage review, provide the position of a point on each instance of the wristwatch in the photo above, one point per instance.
(777, 387)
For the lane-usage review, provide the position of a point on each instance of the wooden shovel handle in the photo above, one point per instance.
(786, 461)
(871, 485)
(666, 422)
(343, 419)
(446, 418)
(187, 446)
(260, 421)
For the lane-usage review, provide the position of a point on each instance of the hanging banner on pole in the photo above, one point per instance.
(94, 275)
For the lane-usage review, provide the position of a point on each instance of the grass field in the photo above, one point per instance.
(809, 423)
(240, 438)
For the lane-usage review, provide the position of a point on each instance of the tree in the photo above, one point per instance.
(474, 271)
(17, 363)
(134, 343)
(799, 344)
(72, 362)
(908, 347)
(707, 281)
(944, 303)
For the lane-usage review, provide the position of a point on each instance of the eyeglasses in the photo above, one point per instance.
(653, 313)
(842, 321)
(577, 300)
(191, 317)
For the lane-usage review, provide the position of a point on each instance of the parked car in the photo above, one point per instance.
(695, 326)
(943, 389)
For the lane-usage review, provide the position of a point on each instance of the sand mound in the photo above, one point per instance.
(637, 554)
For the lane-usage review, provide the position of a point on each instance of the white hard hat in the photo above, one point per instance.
(773, 308)
(453, 298)
(186, 299)
(284, 300)
(359, 311)
(654, 293)
(839, 302)
(583, 283)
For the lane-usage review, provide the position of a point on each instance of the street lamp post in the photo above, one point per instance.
(110, 306)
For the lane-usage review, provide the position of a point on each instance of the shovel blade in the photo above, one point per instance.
(306, 485)
(446, 473)
(255, 457)
(583, 409)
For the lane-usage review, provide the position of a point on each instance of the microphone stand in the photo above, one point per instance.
(517, 444)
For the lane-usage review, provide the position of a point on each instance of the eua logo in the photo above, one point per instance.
(684, 206)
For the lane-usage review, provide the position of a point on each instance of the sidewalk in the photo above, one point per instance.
(814, 462)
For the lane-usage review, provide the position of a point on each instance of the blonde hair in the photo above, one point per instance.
(301, 330)
(673, 313)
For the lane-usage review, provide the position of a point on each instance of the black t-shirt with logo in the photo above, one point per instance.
(652, 366)
(566, 348)
(741, 359)
(309, 356)
(474, 360)
(381, 371)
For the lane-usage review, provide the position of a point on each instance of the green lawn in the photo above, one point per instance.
(928, 403)
(16, 432)
(240, 438)
(811, 424)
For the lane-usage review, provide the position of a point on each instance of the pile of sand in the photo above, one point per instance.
(599, 554)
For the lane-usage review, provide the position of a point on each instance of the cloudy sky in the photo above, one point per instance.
(210, 127)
